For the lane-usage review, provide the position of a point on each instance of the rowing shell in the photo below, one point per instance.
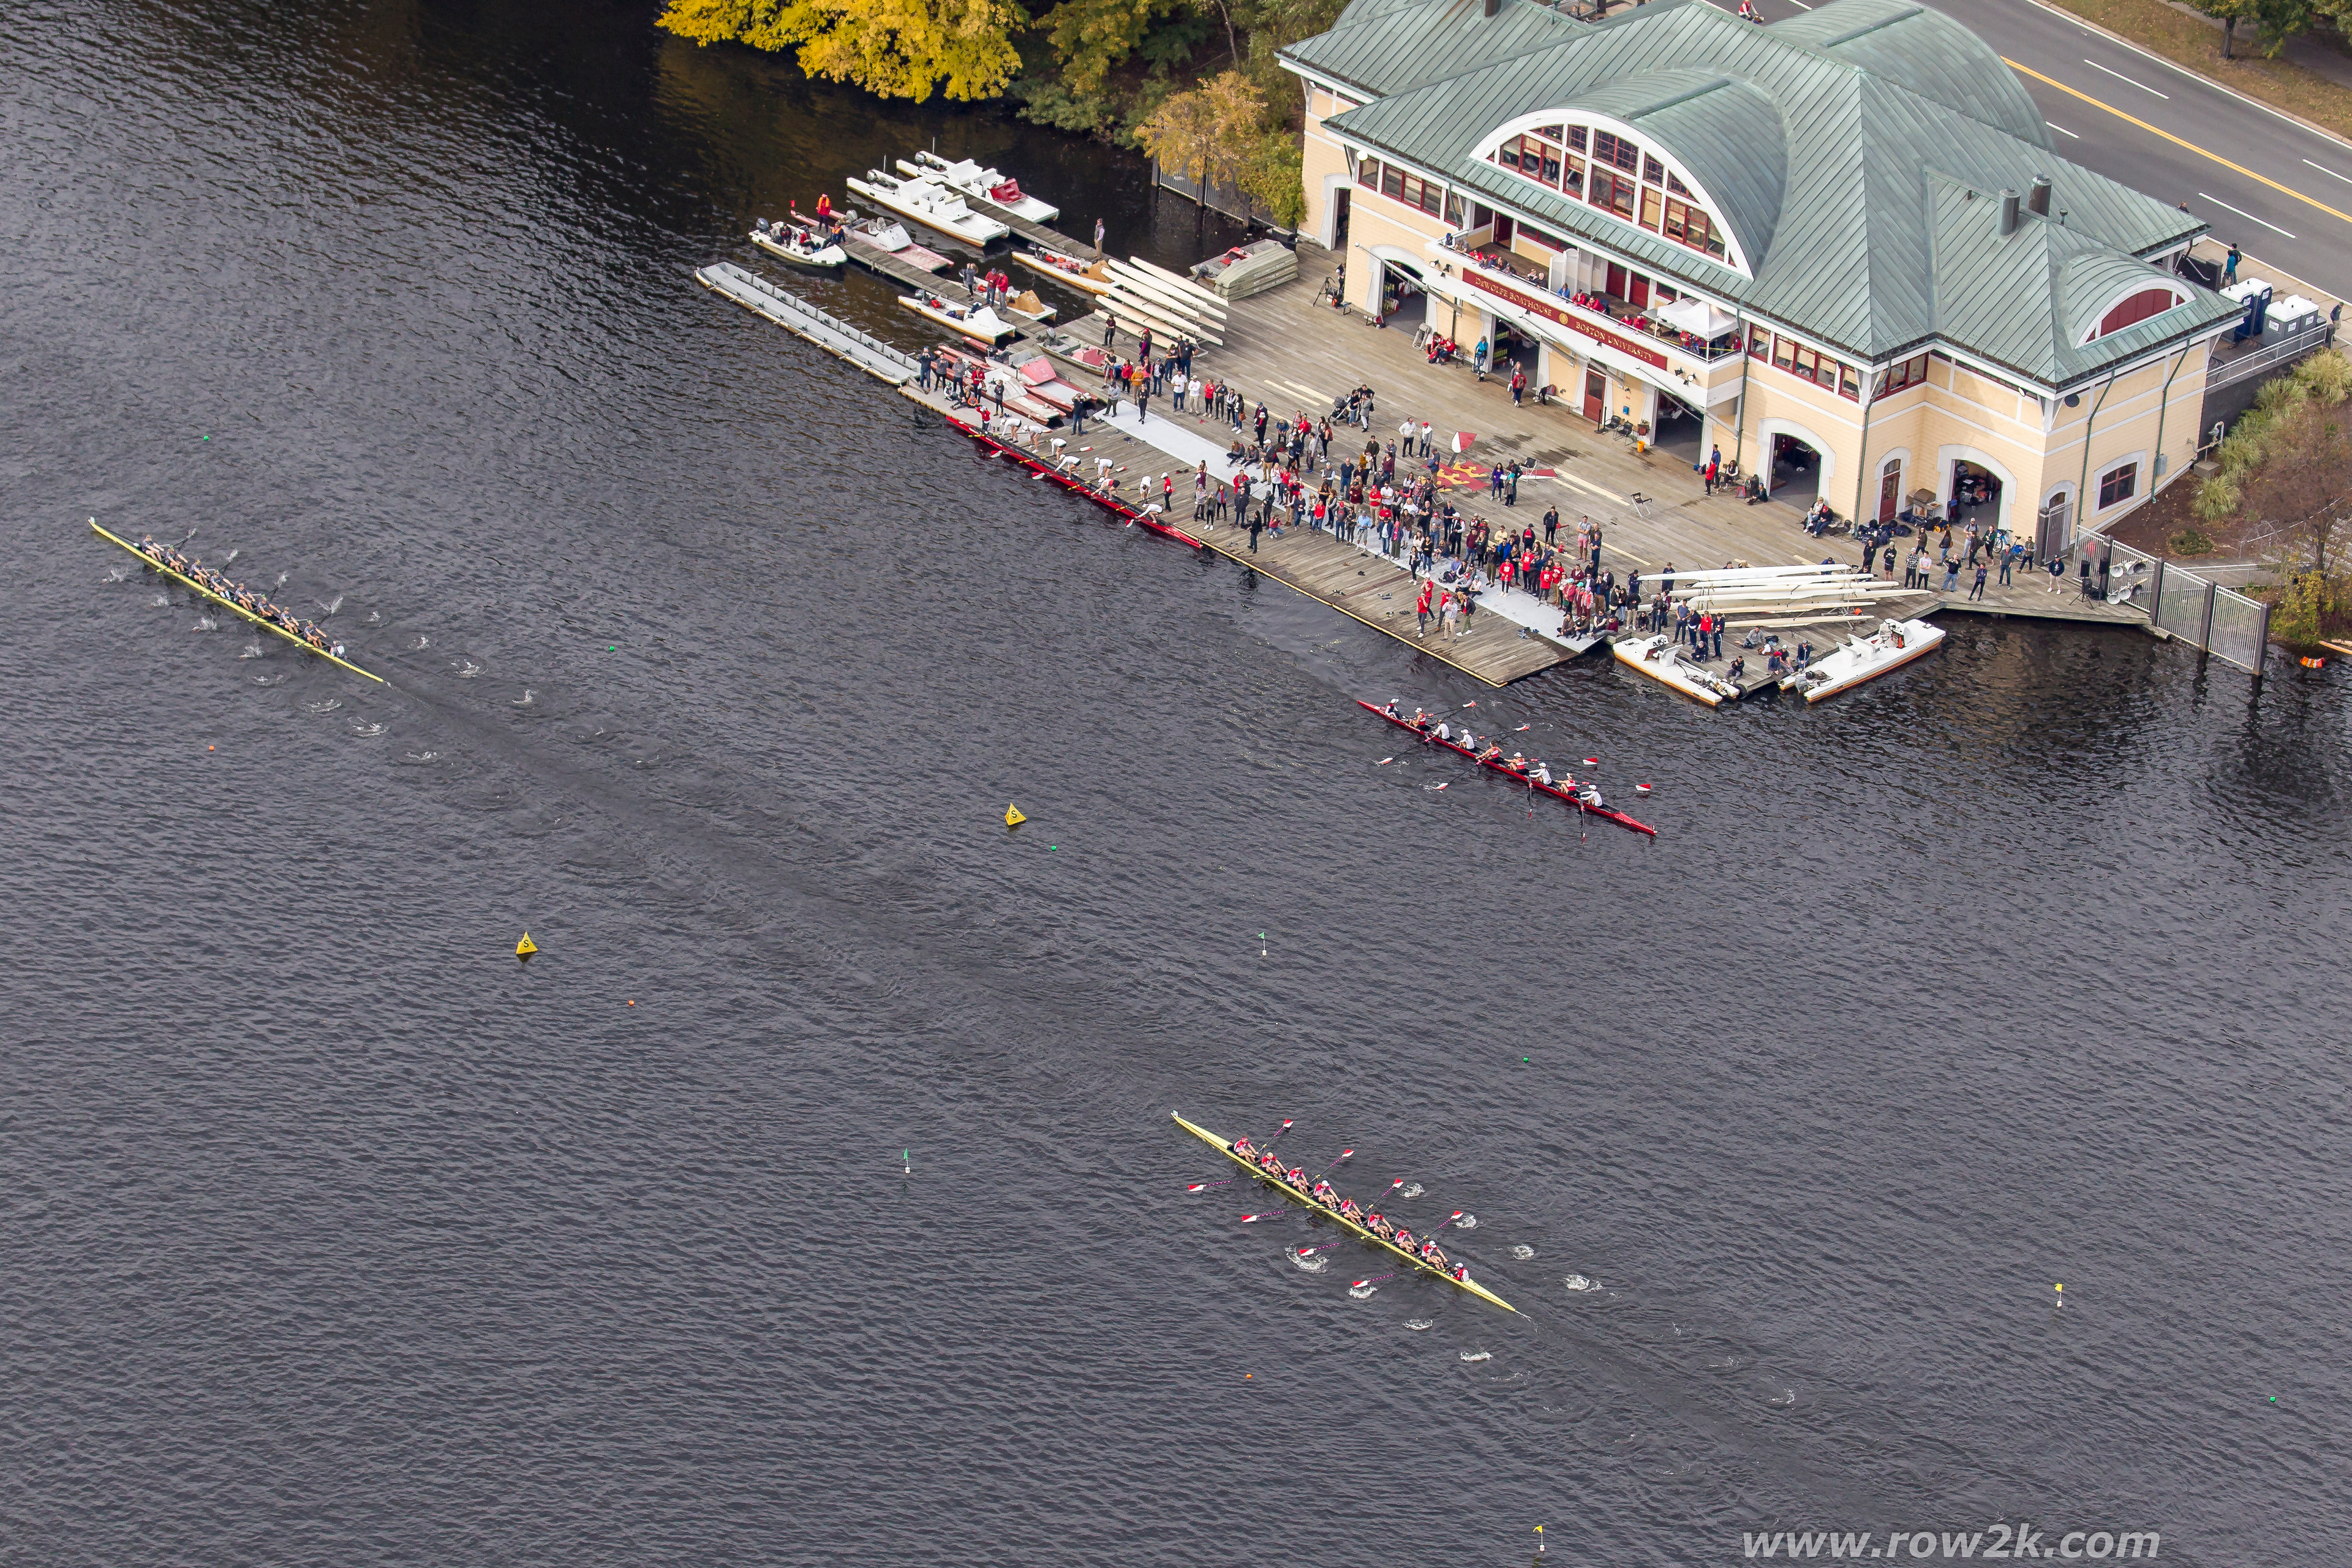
(1619, 818)
(1205, 1136)
(230, 605)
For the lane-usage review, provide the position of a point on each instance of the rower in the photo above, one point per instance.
(1542, 775)
(1421, 718)
(1350, 1212)
(1491, 753)
(1430, 1254)
(1403, 1240)
(1445, 732)
(1242, 1146)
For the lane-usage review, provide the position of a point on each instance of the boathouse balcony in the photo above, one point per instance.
(1697, 338)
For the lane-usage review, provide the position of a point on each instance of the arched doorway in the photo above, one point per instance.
(1890, 488)
(1677, 431)
(1795, 475)
(1975, 497)
(2054, 527)
(1402, 300)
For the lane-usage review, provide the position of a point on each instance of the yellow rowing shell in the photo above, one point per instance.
(230, 605)
(1205, 1136)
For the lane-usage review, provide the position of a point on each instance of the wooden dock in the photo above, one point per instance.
(873, 258)
(1295, 355)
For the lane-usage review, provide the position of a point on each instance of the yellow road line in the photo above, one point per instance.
(2168, 136)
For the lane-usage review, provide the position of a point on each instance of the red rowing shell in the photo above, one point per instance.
(1619, 818)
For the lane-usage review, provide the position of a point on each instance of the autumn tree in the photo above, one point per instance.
(2286, 475)
(1217, 136)
(896, 48)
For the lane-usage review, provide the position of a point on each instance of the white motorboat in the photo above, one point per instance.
(983, 184)
(1664, 659)
(1858, 660)
(1088, 277)
(799, 247)
(930, 204)
(977, 322)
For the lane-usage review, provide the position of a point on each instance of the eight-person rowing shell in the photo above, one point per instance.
(221, 587)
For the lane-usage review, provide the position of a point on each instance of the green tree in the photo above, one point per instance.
(896, 48)
(2276, 21)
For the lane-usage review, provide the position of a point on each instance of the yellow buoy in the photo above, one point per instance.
(1012, 817)
(526, 947)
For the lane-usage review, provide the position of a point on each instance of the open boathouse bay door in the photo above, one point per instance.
(1796, 471)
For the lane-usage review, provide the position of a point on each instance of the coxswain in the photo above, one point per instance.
(1462, 1273)
(1390, 709)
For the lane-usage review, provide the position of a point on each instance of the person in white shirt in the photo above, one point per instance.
(1425, 437)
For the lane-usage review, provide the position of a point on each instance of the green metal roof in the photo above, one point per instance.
(1827, 145)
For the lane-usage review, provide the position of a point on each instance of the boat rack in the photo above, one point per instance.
(796, 315)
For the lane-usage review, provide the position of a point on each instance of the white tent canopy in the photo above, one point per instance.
(1697, 318)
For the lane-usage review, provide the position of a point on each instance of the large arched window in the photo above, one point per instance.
(2135, 308)
(1608, 169)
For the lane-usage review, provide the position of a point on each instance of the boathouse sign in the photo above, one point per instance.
(1551, 313)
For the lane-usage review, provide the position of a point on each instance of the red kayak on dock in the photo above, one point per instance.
(1508, 772)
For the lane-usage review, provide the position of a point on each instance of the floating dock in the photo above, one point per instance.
(797, 316)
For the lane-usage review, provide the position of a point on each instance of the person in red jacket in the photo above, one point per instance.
(1420, 606)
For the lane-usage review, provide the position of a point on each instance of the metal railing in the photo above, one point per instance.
(2191, 607)
(2269, 357)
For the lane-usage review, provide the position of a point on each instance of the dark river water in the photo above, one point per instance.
(333, 1236)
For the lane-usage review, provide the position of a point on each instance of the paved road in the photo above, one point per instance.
(2282, 191)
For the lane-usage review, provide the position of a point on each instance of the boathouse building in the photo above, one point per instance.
(1841, 245)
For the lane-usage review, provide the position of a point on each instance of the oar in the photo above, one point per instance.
(1370, 1280)
(1204, 1186)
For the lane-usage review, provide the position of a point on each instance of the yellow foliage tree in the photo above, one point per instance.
(1209, 134)
(897, 48)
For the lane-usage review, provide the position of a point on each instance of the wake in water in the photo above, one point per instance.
(1579, 1283)
(1363, 1292)
(1467, 1222)
(1477, 1355)
(524, 700)
(1417, 1324)
(420, 641)
(206, 624)
(269, 680)
(329, 706)
(252, 650)
(369, 730)
(424, 756)
(329, 606)
(466, 669)
(1311, 1264)
(1523, 1252)
(160, 600)
(233, 554)
(1412, 1192)
(118, 574)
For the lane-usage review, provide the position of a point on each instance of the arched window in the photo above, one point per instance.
(2139, 308)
